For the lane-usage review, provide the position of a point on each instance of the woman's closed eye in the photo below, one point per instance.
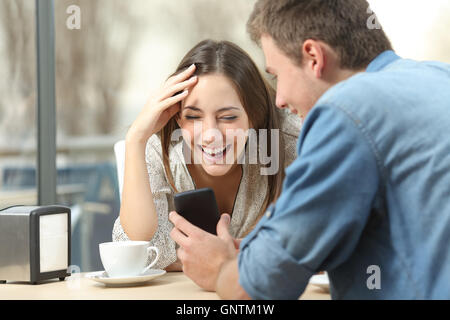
(225, 118)
(229, 118)
(191, 117)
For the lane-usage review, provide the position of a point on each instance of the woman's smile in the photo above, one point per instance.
(214, 155)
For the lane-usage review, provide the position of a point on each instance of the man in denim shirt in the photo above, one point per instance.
(368, 198)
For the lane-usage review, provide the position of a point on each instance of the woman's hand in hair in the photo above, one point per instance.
(162, 106)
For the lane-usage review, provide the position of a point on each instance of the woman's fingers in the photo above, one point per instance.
(165, 104)
(172, 90)
(173, 110)
(176, 88)
(181, 76)
(172, 100)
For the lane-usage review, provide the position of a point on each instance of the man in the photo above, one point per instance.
(368, 198)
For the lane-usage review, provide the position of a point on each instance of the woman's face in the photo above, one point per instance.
(214, 124)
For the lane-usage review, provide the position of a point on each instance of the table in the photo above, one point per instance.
(170, 286)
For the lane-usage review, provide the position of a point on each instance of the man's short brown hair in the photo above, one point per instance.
(342, 24)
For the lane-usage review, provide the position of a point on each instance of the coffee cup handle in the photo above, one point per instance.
(149, 249)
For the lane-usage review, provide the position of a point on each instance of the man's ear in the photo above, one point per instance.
(314, 57)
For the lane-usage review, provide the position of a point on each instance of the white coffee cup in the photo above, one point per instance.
(126, 258)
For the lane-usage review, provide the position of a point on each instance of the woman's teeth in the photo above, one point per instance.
(213, 152)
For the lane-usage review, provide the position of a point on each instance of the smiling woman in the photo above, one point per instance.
(213, 100)
(210, 127)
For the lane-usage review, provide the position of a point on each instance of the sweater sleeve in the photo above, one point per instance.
(162, 196)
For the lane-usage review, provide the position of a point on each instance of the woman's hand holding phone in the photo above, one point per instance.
(162, 106)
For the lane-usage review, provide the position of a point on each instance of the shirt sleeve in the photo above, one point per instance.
(316, 223)
(161, 193)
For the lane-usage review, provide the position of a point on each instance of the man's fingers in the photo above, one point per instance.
(181, 254)
(184, 226)
(223, 225)
(237, 243)
(179, 237)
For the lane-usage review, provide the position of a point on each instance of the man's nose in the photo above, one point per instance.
(281, 102)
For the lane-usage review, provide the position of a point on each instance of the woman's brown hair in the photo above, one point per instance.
(257, 98)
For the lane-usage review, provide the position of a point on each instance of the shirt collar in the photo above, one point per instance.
(383, 60)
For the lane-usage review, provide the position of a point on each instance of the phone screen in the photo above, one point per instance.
(199, 207)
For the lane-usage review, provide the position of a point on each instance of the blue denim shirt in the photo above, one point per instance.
(368, 198)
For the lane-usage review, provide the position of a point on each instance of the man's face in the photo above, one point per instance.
(297, 89)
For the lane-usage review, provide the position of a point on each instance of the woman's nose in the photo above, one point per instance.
(211, 132)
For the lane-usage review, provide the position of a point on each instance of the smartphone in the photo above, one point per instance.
(199, 207)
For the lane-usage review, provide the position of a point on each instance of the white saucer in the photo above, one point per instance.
(321, 280)
(102, 277)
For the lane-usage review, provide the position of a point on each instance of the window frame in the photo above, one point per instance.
(46, 104)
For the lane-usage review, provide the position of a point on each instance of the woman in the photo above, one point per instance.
(215, 92)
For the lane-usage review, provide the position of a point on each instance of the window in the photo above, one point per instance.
(18, 133)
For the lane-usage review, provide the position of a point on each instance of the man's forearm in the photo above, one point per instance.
(227, 285)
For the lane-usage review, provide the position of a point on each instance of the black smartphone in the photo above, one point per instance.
(199, 207)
